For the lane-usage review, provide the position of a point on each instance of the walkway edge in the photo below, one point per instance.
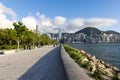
(73, 71)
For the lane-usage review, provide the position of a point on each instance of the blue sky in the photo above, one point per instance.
(66, 15)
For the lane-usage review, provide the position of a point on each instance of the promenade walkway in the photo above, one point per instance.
(41, 64)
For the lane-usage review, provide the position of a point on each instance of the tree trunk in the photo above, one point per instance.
(18, 43)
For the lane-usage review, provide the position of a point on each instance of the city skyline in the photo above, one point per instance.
(87, 35)
(64, 15)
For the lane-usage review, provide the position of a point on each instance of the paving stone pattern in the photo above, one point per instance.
(41, 64)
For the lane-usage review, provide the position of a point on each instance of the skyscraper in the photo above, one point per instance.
(36, 28)
(59, 35)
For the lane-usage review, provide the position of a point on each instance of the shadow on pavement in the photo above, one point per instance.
(49, 67)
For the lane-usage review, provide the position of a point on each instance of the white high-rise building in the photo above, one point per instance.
(36, 28)
(59, 35)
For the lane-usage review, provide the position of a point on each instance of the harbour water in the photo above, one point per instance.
(107, 52)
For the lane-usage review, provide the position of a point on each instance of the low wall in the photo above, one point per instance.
(8, 52)
(73, 71)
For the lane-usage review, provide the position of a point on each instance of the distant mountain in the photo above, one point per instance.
(111, 32)
(89, 30)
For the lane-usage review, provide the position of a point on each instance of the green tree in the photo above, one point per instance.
(10, 36)
(7, 38)
(20, 35)
(30, 38)
(20, 30)
(2, 37)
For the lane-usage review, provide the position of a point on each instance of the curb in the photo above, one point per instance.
(73, 71)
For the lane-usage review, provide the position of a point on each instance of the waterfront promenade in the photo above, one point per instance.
(41, 64)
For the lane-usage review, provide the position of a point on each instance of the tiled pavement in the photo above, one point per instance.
(41, 64)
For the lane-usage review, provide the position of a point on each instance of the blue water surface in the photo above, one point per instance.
(108, 52)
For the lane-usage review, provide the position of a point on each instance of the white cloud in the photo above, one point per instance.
(78, 22)
(8, 11)
(30, 22)
(100, 22)
(7, 17)
(44, 23)
(59, 20)
(93, 22)
(4, 22)
(47, 24)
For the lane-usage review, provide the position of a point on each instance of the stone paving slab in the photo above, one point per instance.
(49, 67)
(41, 64)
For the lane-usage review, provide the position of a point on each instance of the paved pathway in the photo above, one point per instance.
(41, 64)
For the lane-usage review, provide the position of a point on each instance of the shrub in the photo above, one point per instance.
(85, 64)
(8, 47)
(97, 74)
(74, 55)
(68, 48)
(115, 78)
(72, 52)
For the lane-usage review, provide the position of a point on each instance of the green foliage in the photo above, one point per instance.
(73, 52)
(8, 47)
(68, 48)
(9, 37)
(20, 29)
(74, 55)
(44, 40)
(97, 74)
(85, 64)
(115, 78)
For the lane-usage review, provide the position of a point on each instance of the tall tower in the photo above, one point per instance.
(59, 35)
(36, 28)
